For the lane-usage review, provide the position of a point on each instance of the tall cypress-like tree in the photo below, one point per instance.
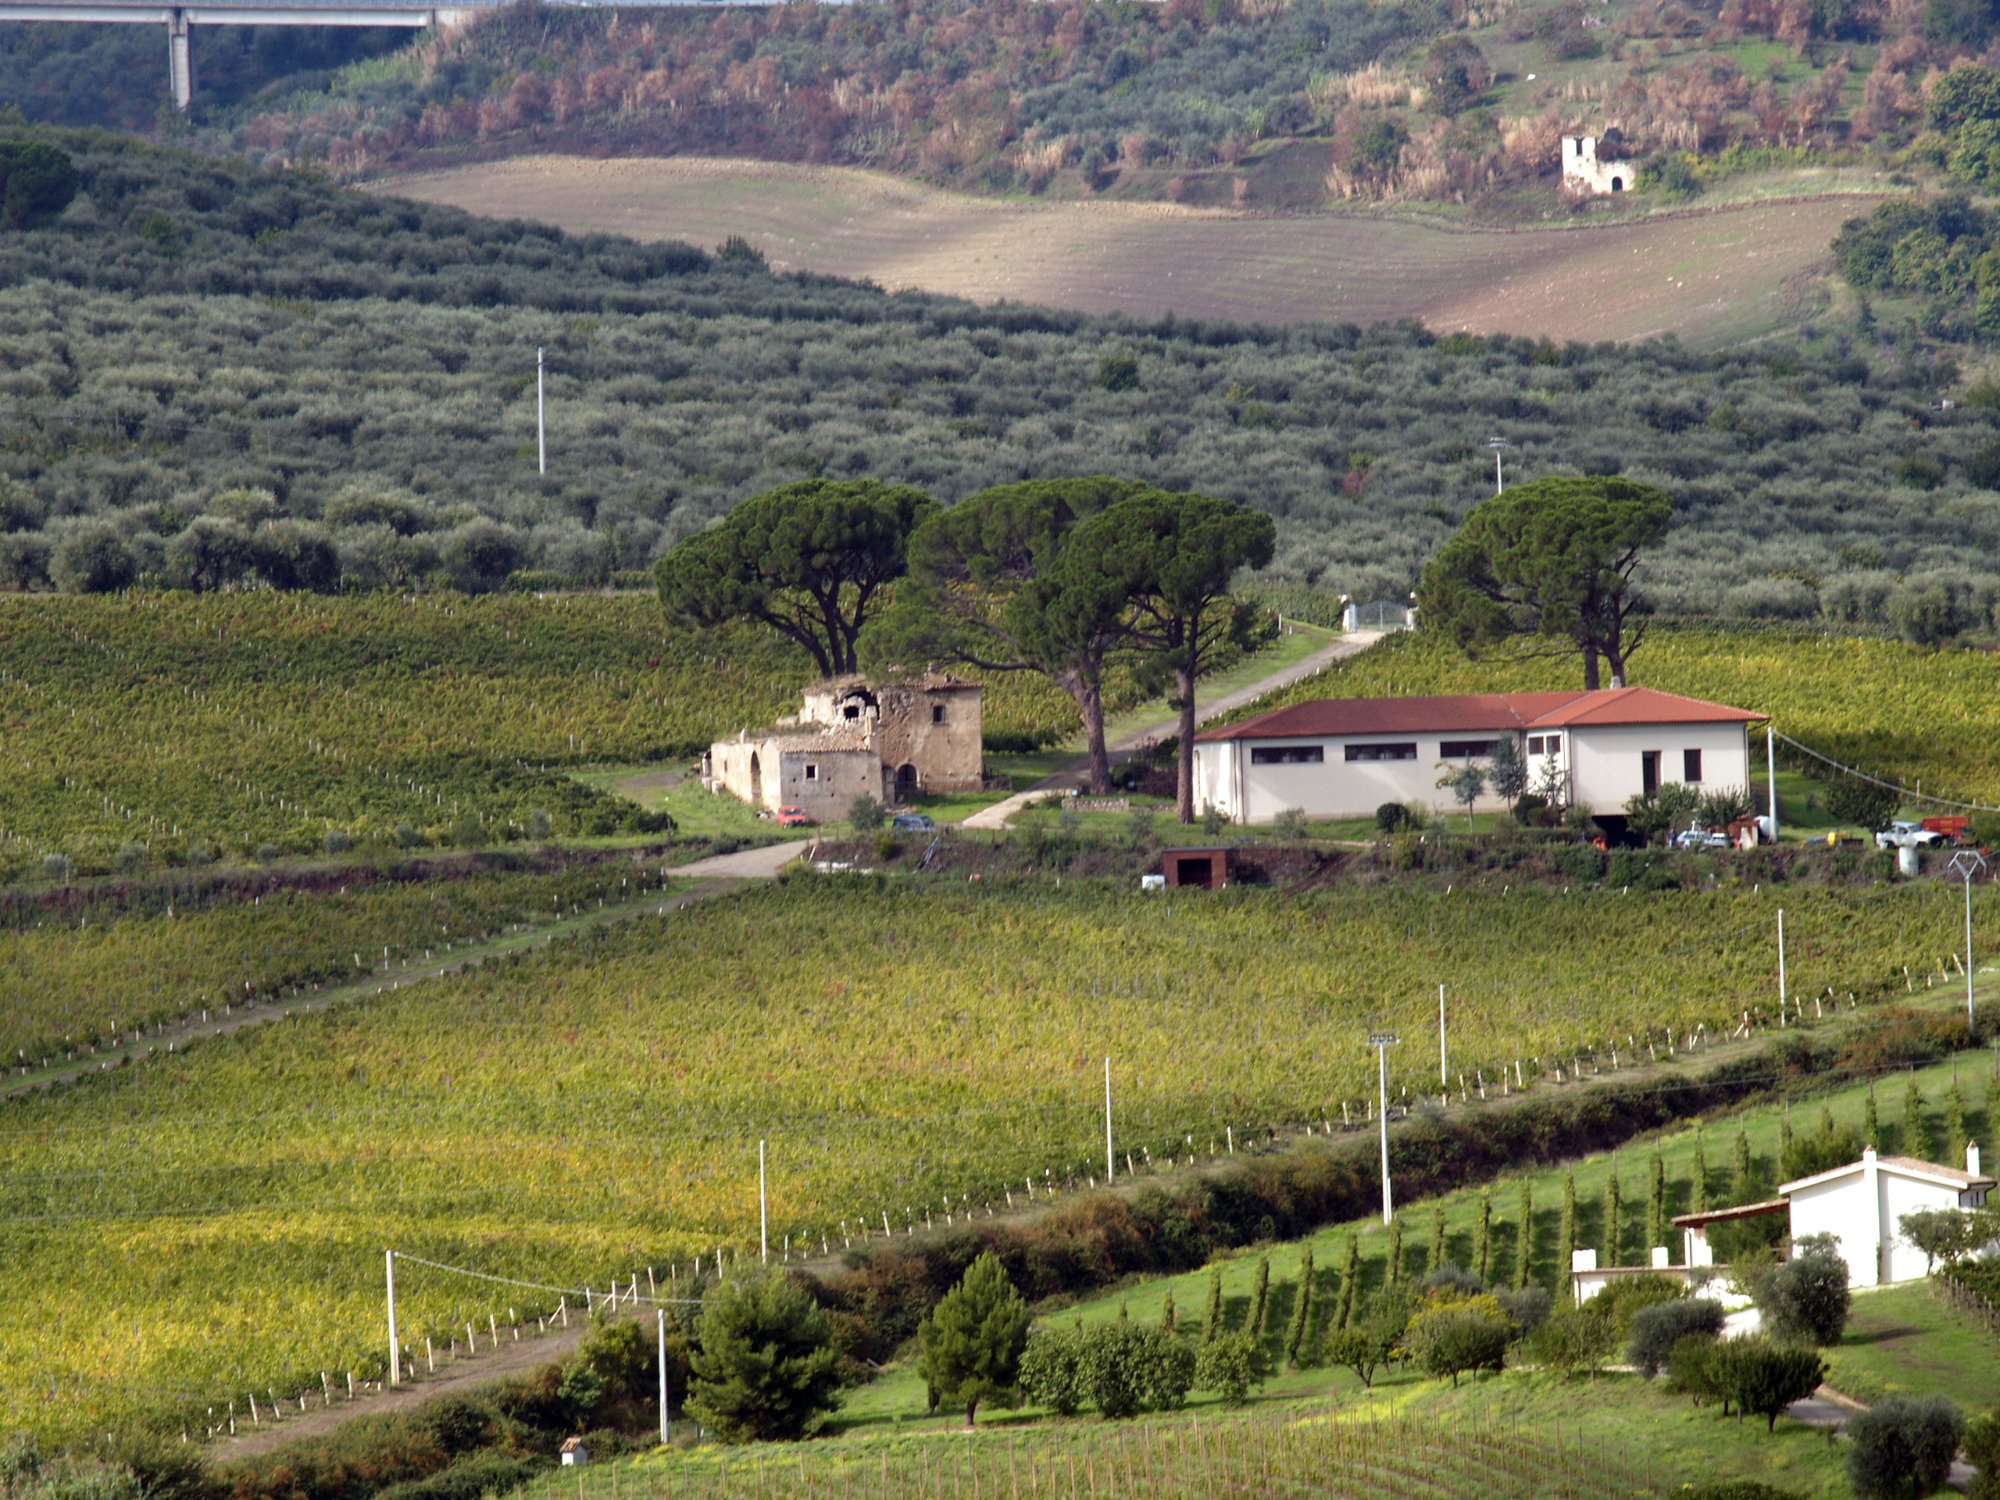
(1396, 1251)
(1260, 1298)
(1613, 1212)
(1168, 1314)
(1743, 1171)
(1350, 1280)
(1955, 1132)
(1301, 1310)
(1700, 1195)
(1916, 1133)
(1785, 1136)
(1437, 1238)
(1656, 1202)
(1524, 1253)
(1214, 1329)
(1872, 1121)
(1566, 1235)
(1482, 1251)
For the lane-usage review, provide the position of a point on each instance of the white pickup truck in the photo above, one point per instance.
(1906, 835)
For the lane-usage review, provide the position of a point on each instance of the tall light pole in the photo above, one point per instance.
(395, 1348)
(763, 1212)
(1499, 476)
(541, 418)
(1382, 1041)
(666, 1433)
(1444, 1078)
(1110, 1166)
(1968, 863)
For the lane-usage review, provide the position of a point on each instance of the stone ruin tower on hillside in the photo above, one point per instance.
(1587, 175)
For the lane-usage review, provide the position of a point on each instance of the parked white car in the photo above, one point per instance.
(1700, 838)
(1907, 835)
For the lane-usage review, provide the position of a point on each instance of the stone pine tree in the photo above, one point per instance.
(985, 589)
(764, 1366)
(1214, 1330)
(1301, 1310)
(1699, 1188)
(1180, 555)
(807, 560)
(1566, 1234)
(1260, 1298)
(1916, 1133)
(1437, 1238)
(1546, 569)
(1525, 1242)
(1482, 1247)
(1613, 1211)
(1350, 1280)
(971, 1343)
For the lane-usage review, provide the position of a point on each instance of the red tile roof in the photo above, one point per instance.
(1325, 718)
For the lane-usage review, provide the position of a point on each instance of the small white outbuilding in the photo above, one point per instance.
(1862, 1204)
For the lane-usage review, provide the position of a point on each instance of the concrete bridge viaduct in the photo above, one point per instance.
(180, 20)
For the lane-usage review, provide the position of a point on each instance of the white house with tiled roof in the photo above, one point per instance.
(1345, 757)
(1862, 1205)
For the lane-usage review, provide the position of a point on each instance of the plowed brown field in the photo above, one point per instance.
(1710, 275)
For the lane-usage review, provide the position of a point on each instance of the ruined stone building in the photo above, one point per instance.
(1586, 174)
(851, 737)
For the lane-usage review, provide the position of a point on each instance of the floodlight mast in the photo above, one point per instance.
(1499, 476)
(1966, 864)
(1382, 1041)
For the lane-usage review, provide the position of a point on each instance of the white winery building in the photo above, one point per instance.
(1345, 757)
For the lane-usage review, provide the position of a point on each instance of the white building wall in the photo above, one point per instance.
(836, 778)
(1897, 1196)
(1226, 774)
(1607, 769)
(1843, 1208)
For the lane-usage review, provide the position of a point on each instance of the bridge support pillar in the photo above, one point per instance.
(180, 59)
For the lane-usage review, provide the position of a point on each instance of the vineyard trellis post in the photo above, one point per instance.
(763, 1212)
(666, 1434)
(1444, 1080)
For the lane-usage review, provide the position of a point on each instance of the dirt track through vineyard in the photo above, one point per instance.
(1710, 275)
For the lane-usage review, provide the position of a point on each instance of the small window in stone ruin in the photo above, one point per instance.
(812, 773)
(937, 713)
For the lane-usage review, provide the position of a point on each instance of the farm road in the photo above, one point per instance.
(997, 815)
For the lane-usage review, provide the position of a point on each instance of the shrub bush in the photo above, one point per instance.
(1903, 1445)
(1456, 1336)
(1575, 1338)
(1231, 1364)
(1807, 1297)
(1658, 1329)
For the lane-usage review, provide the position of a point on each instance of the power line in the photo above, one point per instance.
(1892, 786)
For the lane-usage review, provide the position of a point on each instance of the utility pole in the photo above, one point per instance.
(1968, 863)
(1444, 1078)
(1498, 445)
(1110, 1164)
(395, 1348)
(1771, 775)
(1382, 1041)
(763, 1212)
(541, 418)
(1781, 966)
(666, 1434)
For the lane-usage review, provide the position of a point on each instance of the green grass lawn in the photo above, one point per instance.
(1902, 1341)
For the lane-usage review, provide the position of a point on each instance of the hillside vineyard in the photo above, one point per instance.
(190, 329)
